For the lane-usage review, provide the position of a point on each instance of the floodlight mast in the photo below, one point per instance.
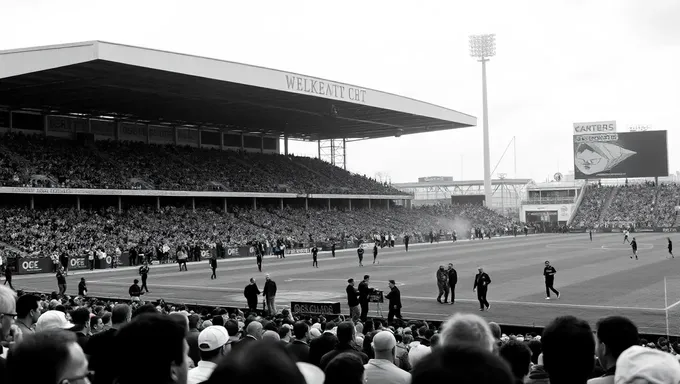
(483, 47)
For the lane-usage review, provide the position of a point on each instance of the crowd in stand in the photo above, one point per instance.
(49, 232)
(87, 340)
(632, 205)
(35, 160)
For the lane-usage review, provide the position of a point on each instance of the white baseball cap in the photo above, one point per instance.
(651, 365)
(212, 337)
(52, 320)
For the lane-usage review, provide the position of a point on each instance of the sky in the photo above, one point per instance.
(558, 62)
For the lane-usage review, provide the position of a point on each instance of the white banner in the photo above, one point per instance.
(594, 127)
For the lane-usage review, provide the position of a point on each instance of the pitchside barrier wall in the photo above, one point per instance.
(634, 230)
(34, 264)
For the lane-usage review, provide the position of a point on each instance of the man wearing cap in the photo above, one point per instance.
(269, 292)
(381, 369)
(352, 300)
(52, 320)
(213, 344)
(394, 296)
(646, 365)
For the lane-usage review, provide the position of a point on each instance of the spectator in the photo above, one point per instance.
(518, 356)
(160, 342)
(28, 312)
(345, 334)
(8, 305)
(192, 338)
(100, 348)
(568, 350)
(213, 343)
(461, 364)
(259, 362)
(615, 334)
(381, 369)
(299, 347)
(645, 365)
(537, 374)
(323, 344)
(51, 356)
(468, 328)
(345, 368)
(253, 333)
(52, 320)
(81, 327)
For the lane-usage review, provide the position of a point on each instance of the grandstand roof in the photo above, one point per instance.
(130, 83)
(464, 183)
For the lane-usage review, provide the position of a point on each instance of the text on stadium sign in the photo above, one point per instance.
(325, 88)
(596, 138)
(597, 127)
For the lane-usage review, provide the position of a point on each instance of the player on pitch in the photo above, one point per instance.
(549, 273)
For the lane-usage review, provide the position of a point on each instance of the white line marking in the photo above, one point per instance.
(204, 288)
(551, 304)
(672, 305)
(645, 247)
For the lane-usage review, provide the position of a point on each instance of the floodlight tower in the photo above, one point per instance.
(483, 47)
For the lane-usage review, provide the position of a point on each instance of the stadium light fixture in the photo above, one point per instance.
(483, 47)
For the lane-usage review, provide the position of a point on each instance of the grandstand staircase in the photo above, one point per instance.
(608, 203)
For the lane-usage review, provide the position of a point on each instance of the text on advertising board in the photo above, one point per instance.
(596, 127)
(318, 308)
(31, 265)
(325, 88)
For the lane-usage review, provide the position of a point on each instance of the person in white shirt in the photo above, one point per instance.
(381, 369)
(213, 345)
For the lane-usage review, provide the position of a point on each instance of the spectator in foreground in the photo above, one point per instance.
(346, 344)
(100, 348)
(299, 347)
(345, 368)
(51, 356)
(537, 374)
(615, 334)
(28, 313)
(469, 329)
(52, 320)
(646, 366)
(322, 344)
(461, 364)
(213, 343)
(8, 309)
(261, 362)
(568, 350)
(381, 369)
(160, 350)
(518, 356)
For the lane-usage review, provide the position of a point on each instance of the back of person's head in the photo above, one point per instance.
(193, 321)
(467, 328)
(26, 304)
(495, 330)
(232, 327)
(536, 349)
(147, 308)
(345, 368)
(80, 316)
(568, 350)
(106, 318)
(181, 319)
(617, 333)
(300, 330)
(461, 364)
(160, 340)
(518, 356)
(218, 320)
(329, 326)
(258, 363)
(345, 332)
(254, 329)
(121, 314)
(40, 357)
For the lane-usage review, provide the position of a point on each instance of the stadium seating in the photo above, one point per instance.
(47, 161)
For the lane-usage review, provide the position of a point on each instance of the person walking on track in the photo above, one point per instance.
(394, 296)
(670, 247)
(213, 266)
(482, 281)
(375, 253)
(315, 254)
(633, 244)
(144, 272)
(549, 273)
(360, 253)
(453, 280)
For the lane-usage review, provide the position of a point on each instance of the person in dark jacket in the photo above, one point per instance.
(82, 287)
(61, 281)
(252, 293)
(352, 300)
(315, 254)
(213, 266)
(269, 292)
(135, 290)
(8, 276)
(360, 253)
(406, 240)
(346, 338)
(333, 249)
(322, 345)
(394, 296)
(453, 280)
(375, 253)
(442, 284)
(482, 281)
(364, 292)
(299, 348)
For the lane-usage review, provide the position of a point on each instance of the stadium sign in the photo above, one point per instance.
(315, 308)
(27, 265)
(639, 127)
(595, 127)
(302, 84)
(298, 251)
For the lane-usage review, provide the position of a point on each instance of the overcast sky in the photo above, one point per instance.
(557, 62)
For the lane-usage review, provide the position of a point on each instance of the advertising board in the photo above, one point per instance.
(621, 155)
